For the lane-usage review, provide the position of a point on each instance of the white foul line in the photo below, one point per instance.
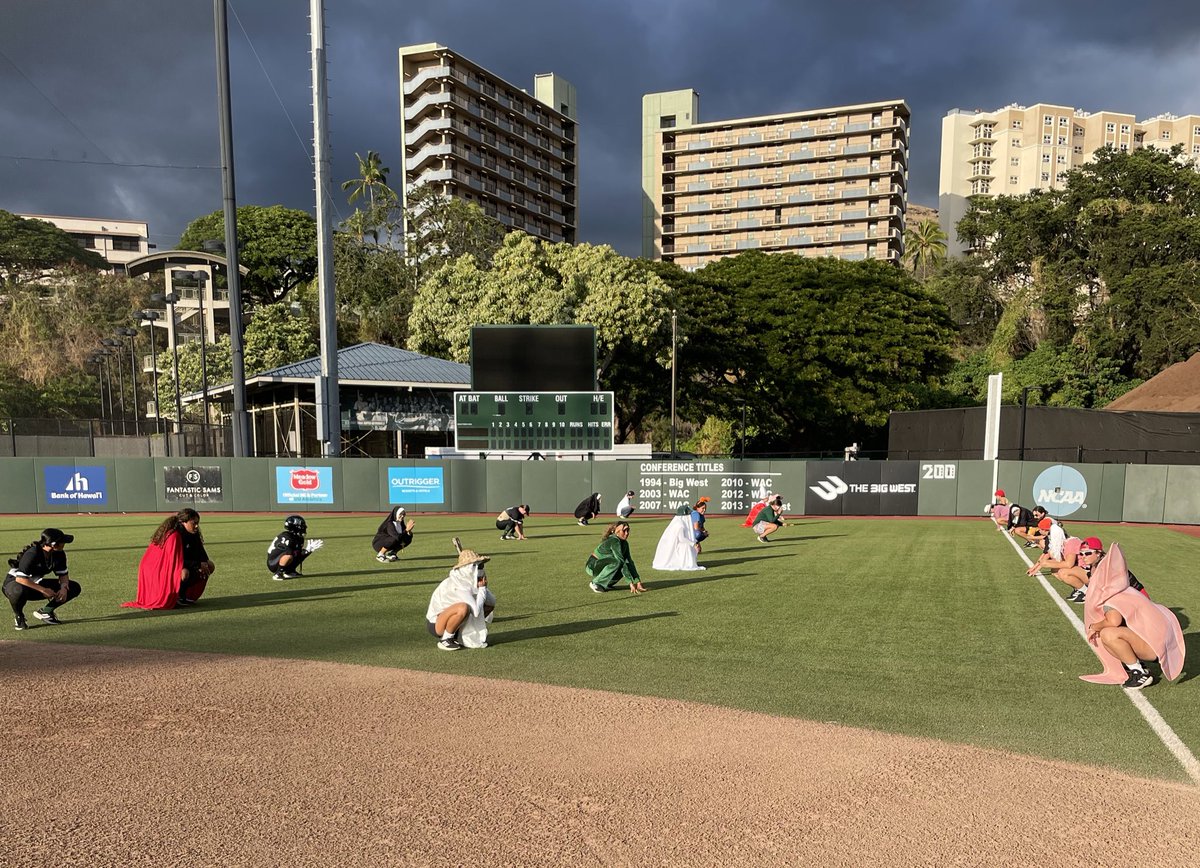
(1161, 728)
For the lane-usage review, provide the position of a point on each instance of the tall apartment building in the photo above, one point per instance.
(480, 139)
(1018, 149)
(826, 182)
(118, 241)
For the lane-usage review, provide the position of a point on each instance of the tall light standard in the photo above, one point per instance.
(125, 332)
(151, 316)
(105, 384)
(674, 336)
(169, 299)
(198, 279)
(114, 349)
(95, 359)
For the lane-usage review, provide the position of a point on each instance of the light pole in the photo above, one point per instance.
(94, 358)
(105, 387)
(151, 316)
(743, 431)
(114, 348)
(674, 335)
(130, 333)
(1025, 390)
(169, 299)
(199, 279)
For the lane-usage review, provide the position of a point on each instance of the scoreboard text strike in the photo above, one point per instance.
(533, 421)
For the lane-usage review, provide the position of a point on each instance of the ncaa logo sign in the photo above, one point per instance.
(1061, 490)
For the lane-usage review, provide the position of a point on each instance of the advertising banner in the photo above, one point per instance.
(192, 485)
(69, 483)
(303, 485)
(862, 488)
(415, 485)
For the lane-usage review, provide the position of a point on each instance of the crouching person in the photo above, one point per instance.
(27, 579)
(611, 561)
(289, 550)
(461, 606)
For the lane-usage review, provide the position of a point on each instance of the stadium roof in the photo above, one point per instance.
(1175, 390)
(367, 364)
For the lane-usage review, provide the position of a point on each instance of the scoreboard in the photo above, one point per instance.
(533, 421)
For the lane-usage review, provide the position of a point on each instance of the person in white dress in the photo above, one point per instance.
(677, 545)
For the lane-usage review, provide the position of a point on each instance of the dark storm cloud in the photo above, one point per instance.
(136, 77)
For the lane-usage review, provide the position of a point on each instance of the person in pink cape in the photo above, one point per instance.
(1125, 628)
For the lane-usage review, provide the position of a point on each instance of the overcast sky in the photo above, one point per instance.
(132, 81)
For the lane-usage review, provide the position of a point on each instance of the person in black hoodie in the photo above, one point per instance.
(394, 534)
(588, 508)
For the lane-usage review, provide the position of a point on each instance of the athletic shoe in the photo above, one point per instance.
(1138, 680)
(582, 523)
(280, 576)
(46, 617)
(183, 602)
(763, 539)
(448, 645)
(599, 589)
(19, 623)
(391, 558)
(291, 575)
(506, 536)
(1077, 596)
(382, 558)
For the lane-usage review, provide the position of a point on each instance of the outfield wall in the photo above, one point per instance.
(1078, 492)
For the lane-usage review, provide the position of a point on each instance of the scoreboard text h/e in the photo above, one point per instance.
(534, 421)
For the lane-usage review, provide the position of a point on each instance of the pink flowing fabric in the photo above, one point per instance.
(1000, 512)
(754, 511)
(1155, 624)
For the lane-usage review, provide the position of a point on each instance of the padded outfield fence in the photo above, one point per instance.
(1073, 492)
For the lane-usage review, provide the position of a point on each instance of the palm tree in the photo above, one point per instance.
(372, 176)
(924, 247)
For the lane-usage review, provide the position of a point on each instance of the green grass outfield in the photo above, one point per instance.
(926, 627)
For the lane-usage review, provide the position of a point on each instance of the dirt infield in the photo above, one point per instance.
(121, 757)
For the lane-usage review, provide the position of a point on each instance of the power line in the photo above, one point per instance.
(85, 161)
(61, 113)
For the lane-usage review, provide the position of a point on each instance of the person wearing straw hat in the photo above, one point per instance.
(461, 600)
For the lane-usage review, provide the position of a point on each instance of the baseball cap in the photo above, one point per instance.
(1093, 542)
(52, 536)
(1045, 524)
(999, 492)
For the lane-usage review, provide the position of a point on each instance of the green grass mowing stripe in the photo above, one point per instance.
(923, 627)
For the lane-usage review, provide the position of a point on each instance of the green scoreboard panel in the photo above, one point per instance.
(533, 421)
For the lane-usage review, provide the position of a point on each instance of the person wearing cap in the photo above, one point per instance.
(1070, 565)
(1030, 527)
(27, 579)
(512, 521)
(625, 507)
(175, 567)
(612, 561)
(699, 534)
(1125, 627)
(769, 518)
(588, 508)
(999, 509)
(394, 534)
(462, 600)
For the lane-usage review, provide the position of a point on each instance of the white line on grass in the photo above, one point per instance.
(1161, 728)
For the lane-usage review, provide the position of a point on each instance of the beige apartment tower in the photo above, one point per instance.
(480, 139)
(826, 182)
(118, 241)
(1018, 149)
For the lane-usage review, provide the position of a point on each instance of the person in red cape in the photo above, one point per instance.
(175, 568)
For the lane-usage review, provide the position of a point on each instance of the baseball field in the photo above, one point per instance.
(891, 691)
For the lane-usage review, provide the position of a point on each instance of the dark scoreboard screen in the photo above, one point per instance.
(533, 421)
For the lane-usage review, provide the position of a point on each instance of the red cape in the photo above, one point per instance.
(754, 511)
(158, 576)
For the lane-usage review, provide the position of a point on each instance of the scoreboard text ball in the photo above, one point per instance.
(533, 421)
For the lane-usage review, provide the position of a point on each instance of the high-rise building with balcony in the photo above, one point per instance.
(480, 139)
(1018, 149)
(825, 182)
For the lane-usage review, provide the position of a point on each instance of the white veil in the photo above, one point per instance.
(676, 547)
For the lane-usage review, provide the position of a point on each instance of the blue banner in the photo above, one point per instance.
(415, 485)
(68, 483)
(303, 485)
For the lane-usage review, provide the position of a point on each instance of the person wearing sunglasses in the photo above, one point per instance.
(1066, 564)
(1124, 626)
(27, 579)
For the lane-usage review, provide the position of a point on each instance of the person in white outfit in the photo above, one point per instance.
(677, 545)
(625, 507)
(462, 603)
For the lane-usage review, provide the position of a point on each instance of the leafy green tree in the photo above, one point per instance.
(842, 344)
(278, 245)
(371, 181)
(965, 288)
(439, 229)
(29, 247)
(715, 437)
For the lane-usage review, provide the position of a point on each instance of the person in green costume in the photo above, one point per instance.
(611, 561)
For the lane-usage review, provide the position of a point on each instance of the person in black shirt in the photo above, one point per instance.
(512, 521)
(394, 534)
(25, 581)
(196, 564)
(287, 551)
